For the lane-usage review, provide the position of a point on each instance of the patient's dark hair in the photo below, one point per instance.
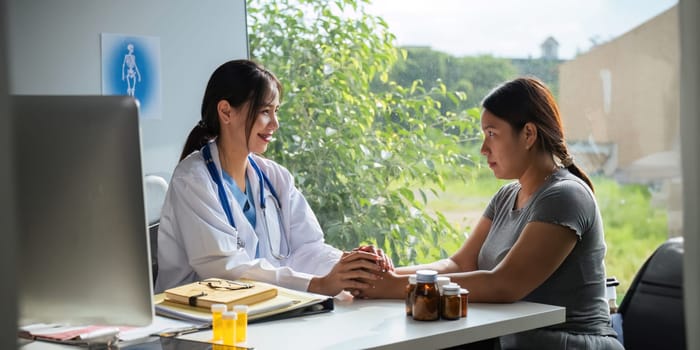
(528, 100)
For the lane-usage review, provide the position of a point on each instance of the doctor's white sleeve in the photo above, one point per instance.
(310, 253)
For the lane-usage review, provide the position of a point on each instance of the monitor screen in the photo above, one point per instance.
(83, 245)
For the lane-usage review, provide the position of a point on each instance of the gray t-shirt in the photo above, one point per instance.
(579, 283)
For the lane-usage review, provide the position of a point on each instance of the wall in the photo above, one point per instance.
(54, 48)
(639, 107)
(690, 128)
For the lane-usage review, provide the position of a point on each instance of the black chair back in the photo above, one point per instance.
(652, 309)
(153, 237)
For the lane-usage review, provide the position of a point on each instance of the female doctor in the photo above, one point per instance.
(230, 213)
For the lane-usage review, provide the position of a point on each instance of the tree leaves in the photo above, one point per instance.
(388, 140)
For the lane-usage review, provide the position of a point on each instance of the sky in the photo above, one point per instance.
(513, 28)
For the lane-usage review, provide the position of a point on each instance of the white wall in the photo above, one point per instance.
(690, 129)
(54, 48)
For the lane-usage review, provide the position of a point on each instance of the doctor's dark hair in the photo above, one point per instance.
(528, 100)
(238, 82)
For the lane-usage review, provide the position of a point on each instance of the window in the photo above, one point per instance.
(613, 66)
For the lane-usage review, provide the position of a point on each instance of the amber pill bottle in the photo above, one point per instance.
(451, 305)
(464, 294)
(410, 294)
(426, 305)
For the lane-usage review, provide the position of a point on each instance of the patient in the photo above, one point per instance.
(541, 237)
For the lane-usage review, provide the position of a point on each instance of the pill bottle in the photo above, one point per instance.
(450, 305)
(229, 325)
(611, 293)
(464, 295)
(441, 282)
(426, 305)
(216, 323)
(241, 322)
(410, 294)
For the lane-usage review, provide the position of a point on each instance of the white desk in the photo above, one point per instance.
(383, 324)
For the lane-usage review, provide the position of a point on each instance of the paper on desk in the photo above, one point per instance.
(64, 333)
(285, 300)
(58, 332)
(159, 324)
(199, 315)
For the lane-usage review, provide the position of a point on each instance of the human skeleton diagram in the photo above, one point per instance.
(130, 71)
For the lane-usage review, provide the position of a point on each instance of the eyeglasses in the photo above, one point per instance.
(216, 283)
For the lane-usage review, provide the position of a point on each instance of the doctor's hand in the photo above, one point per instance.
(382, 259)
(350, 272)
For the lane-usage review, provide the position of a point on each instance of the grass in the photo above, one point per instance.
(633, 226)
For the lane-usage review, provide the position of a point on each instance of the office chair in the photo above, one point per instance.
(651, 314)
(156, 188)
(153, 237)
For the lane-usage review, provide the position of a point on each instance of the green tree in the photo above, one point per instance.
(473, 75)
(482, 73)
(544, 69)
(421, 63)
(356, 154)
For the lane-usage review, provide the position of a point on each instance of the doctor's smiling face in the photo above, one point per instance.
(248, 127)
(265, 125)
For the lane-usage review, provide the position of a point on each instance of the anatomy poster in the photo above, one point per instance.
(131, 66)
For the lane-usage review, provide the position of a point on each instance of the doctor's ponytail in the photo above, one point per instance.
(198, 137)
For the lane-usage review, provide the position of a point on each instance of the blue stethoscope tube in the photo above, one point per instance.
(262, 181)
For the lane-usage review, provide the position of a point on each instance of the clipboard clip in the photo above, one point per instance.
(192, 300)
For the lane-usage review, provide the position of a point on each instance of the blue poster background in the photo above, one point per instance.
(144, 61)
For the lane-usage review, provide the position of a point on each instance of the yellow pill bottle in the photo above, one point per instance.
(241, 322)
(217, 310)
(229, 325)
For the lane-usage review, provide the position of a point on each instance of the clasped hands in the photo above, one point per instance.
(360, 271)
(372, 277)
(383, 261)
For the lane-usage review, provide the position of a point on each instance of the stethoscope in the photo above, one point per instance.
(275, 230)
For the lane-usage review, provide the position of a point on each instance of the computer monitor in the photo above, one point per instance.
(83, 245)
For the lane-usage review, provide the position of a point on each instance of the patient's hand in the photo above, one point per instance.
(389, 285)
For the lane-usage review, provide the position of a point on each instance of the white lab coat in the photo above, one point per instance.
(196, 241)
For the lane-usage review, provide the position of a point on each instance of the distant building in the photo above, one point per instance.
(545, 68)
(626, 92)
(550, 49)
(620, 106)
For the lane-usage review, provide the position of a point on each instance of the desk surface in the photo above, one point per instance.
(382, 324)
